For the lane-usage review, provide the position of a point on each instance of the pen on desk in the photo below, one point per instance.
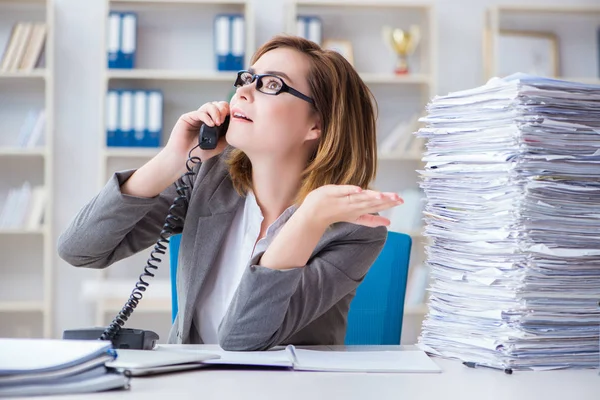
(472, 364)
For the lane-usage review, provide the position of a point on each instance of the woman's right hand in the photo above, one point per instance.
(184, 135)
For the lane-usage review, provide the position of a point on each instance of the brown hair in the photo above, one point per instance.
(347, 150)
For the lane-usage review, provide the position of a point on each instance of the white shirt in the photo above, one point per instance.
(231, 262)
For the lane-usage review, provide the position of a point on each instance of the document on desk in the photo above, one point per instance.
(512, 190)
(144, 362)
(332, 361)
(30, 367)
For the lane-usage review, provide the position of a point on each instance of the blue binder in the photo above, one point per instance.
(229, 41)
(122, 39)
(113, 40)
(125, 131)
(112, 117)
(310, 27)
(128, 44)
(154, 111)
(140, 118)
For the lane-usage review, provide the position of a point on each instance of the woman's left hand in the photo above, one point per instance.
(346, 203)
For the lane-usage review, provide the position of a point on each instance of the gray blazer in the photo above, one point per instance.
(303, 306)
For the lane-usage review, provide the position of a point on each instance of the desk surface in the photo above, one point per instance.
(454, 382)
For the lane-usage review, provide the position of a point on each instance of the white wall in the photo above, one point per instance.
(79, 92)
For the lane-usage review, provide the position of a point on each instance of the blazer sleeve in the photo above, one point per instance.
(270, 305)
(114, 226)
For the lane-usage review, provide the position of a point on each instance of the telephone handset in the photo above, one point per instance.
(210, 135)
(127, 338)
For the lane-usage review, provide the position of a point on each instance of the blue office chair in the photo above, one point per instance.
(375, 315)
(174, 242)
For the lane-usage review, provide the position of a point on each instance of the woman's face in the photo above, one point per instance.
(275, 126)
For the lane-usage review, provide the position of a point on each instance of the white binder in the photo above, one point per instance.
(128, 40)
(301, 27)
(155, 118)
(112, 117)
(139, 118)
(237, 42)
(113, 39)
(222, 41)
(125, 118)
(315, 30)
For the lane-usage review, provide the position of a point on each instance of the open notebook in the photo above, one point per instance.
(316, 360)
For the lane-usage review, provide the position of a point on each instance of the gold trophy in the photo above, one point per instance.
(403, 43)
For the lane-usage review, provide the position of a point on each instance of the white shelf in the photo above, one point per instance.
(175, 75)
(566, 24)
(26, 90)
(549, 9)
(22, 306)
(359, 3)
(411, 79)
(35, 74)
(19, 151)
(419, 309)
(41, 3)
(20, 231)
(132, 152)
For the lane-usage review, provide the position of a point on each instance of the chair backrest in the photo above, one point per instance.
(375, 315)
(174, 242)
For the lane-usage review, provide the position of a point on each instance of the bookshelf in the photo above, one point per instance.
(400, 97)
(567, 34)
(175, 55)
(27, 251)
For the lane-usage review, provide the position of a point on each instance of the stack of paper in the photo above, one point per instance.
(512, 184)
(30, 367)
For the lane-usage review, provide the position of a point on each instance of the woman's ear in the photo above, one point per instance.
(315, 131)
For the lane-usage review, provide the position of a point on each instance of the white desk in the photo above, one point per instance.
(455, 382)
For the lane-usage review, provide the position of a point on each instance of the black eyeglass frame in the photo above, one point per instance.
(284, 86)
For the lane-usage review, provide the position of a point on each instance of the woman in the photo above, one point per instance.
(281, 226)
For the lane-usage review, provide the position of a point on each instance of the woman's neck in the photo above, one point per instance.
(275, 186)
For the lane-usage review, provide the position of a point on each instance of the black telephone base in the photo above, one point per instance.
(127, 338)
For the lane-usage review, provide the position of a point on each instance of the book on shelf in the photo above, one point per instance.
(24, 47)
(23, 207)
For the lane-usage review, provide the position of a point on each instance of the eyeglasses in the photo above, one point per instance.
(268, 84)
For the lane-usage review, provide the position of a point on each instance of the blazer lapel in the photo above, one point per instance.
(210, 234)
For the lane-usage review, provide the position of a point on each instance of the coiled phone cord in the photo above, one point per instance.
(172, 226)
